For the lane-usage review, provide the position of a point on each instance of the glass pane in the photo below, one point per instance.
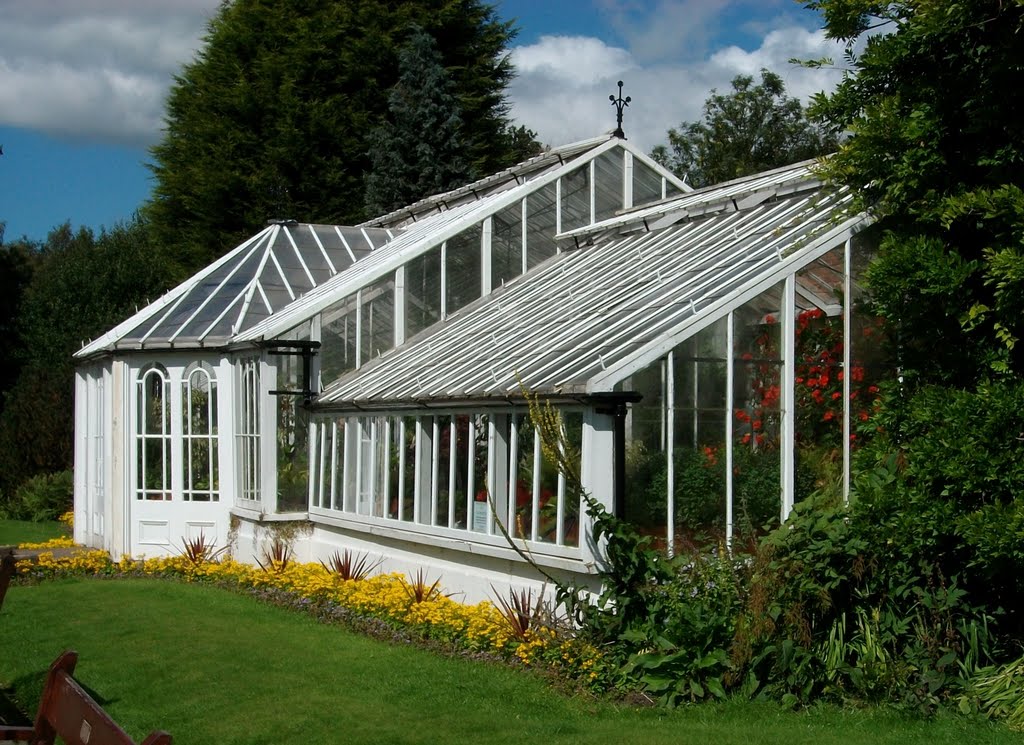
(292, 438)
(378, 319)
(462, 278)
(646, 457)
(522, 489)
(540, 225)
(507, 245)
(338, 339)
(757, 413)
(818, 376)
(444, 453)
(573, 423)
(576, 199)
(646, 184)
(423, 291)
(608, 175)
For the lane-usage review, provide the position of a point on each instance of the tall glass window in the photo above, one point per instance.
(200, 471)
(248, 432)
(153, 435)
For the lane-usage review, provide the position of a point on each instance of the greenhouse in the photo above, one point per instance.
(366, 387)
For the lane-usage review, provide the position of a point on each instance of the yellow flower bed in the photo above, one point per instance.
(62, 542)
(390, 597)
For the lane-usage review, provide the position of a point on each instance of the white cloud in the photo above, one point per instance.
(570, 102)
(101, 69)
(95, 69)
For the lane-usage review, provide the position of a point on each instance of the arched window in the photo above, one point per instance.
(153, 434)
(199, 467)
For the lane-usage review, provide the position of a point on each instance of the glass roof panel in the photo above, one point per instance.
(423, 291)
(608, 180)
(462, 269)
(507, 245)
(576, 199)
(540, 225)
(646, 184)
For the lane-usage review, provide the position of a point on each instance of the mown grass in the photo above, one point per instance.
(13, 532)
(214, 666)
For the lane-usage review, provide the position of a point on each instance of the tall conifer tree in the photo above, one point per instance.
(419, 150)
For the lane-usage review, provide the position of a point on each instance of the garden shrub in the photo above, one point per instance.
(41, 498)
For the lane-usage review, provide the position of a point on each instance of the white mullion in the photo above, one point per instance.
(359, 327)
(730, 402)
(401, 467)
(847, 360)
(558, 206)
(444, 280)
(399, 319)
(322, 486)
(471, 472)
(788, 394)
(538, 458)
(386, 504)
(435, 467)
(453, 451)
(627, 179)
(334, 465)
(522, 230)
(593, 192)
(486, 256)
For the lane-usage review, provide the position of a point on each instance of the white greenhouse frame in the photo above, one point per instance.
(323, 382)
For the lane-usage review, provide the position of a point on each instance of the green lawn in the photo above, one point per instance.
(211, 666)
(20, 531)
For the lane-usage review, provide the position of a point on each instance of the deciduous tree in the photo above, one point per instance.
(750, 129)
(272, 118)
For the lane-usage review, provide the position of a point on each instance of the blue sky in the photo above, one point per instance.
(82, 83)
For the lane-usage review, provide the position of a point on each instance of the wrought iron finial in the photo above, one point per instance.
(619, 103)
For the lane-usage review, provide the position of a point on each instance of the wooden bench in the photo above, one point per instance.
(66, 710)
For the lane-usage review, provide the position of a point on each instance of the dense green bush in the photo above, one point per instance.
(41, 498)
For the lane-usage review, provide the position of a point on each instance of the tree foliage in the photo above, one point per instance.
(273, 116)
(919, 582)
(418, 150)
(933, 109)
(750, 129)
(81, 286)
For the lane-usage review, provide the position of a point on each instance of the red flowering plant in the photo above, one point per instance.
(818, 384)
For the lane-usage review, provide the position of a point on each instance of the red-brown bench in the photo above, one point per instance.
(67, 711)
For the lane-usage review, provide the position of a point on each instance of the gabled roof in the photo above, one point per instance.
(591, 316)
(488, 185)
(444, 217)
(264, 274)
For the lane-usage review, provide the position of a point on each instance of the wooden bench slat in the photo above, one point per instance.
(68, 711)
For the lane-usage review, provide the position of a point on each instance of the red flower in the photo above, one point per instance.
(838, 395)
(827, 417)
(742, 416)
(872, 389)
(757, 424)
(746, 439)
(863, 416)
(769, 318)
